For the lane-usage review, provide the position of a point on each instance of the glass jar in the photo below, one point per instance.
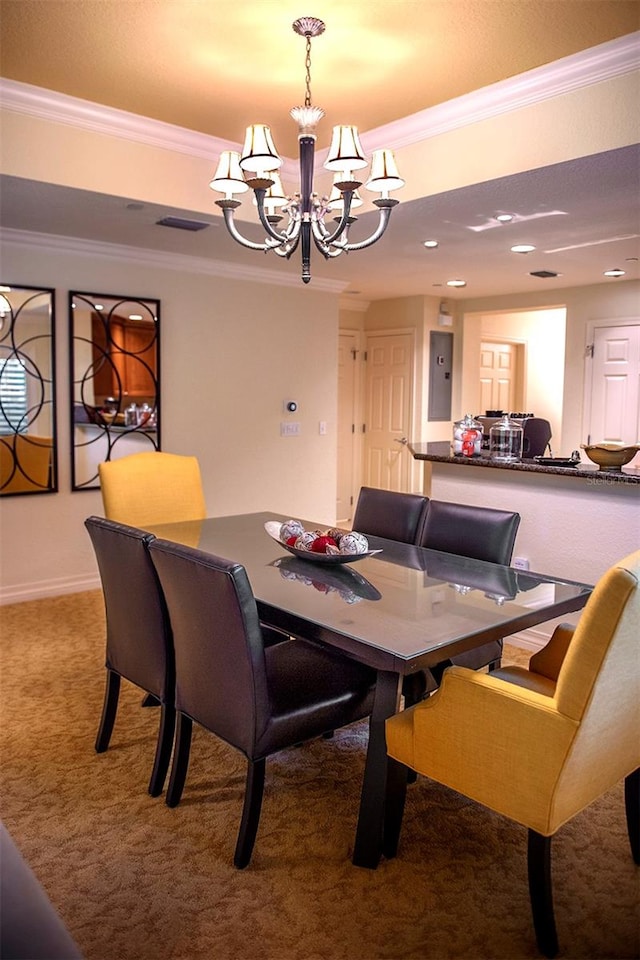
(505, 440)
(131, 416)
(467, 437)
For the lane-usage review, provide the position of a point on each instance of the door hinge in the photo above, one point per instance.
(588, 350)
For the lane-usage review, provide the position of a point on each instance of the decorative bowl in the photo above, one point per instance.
(610, 456)
(272, 527)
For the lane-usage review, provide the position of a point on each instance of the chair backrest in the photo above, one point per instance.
(25, 463)
(143, 489)
(139, 644)
(389, 514)
(536, 435)
(598, 687)
(220, 662)
(482, 533)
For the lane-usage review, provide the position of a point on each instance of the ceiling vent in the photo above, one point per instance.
(179, 224)
(543, 273)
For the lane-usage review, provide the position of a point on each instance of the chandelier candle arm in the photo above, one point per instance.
(256, 168)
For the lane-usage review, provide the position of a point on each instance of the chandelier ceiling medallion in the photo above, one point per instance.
(257, 169)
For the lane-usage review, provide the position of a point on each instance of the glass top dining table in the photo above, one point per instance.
(400, 610)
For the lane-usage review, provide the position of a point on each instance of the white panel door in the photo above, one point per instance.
(388, 412)
(615, 385)
(497, 377)
(346, 440)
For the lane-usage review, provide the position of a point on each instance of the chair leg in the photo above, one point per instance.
(163, 749)
(540, 892)
(632, 808)
(254, 790)
(109, 710)
(180, 765)
(396, 792)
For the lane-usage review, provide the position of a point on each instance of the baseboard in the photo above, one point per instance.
(22, 592)
(532, 639)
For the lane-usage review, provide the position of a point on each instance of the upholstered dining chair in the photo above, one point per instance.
(389, 514)
(537, 745)
(259, 699)
(149, 488)
(481, 533)
(139, 644)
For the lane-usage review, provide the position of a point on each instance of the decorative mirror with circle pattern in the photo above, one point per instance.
(28, 451)
(115, 380)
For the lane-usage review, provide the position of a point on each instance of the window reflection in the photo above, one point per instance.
(27, 391)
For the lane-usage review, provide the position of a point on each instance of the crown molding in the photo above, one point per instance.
(595, 65)
(78, 247)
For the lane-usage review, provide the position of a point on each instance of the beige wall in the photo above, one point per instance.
(232, 352)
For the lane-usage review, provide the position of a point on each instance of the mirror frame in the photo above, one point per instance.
(110, 369)
(26, 467)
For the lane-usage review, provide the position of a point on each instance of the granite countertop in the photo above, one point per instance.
(440, 452)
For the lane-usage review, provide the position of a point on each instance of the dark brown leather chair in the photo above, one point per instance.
(259, 699)
(482, 533)
(389, 514)
(139, 642)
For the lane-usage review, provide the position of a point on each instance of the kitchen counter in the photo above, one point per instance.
(575, 521)
(440, 452)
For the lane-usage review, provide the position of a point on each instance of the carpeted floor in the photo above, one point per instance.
(133, 879)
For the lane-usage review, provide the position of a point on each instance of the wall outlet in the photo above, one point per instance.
(289, 429)
(520, 563)
(322, 428)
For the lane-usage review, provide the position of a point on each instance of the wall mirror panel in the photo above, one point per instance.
(28, 455)
(115, 381)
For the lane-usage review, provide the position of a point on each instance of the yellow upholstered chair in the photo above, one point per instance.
(144, 489)
(537, 745)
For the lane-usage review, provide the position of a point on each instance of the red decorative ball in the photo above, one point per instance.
(291, 541)
(320, 544)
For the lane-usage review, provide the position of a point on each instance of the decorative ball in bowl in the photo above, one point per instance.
(610, 456)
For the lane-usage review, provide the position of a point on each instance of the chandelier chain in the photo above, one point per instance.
(307, 63)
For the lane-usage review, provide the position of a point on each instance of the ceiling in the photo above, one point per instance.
(214, 66)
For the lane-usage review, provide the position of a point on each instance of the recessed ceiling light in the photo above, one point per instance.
(456, 283)
(504, 217)
(97, 306)
(616, 272)
(431, 244)
(522, 248)
(135, 316)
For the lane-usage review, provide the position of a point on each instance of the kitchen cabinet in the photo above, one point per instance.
(125, 359)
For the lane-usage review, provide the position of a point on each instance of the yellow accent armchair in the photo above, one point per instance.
(537, 745)
(145, 489)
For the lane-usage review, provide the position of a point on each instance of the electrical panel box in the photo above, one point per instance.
(440, 366)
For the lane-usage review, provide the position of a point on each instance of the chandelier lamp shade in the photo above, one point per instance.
(256, 169)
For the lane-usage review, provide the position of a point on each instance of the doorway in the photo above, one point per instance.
(388, 410)
(612, 382)
(501, 376)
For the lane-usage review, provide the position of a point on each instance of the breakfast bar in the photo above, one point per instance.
(576, 521)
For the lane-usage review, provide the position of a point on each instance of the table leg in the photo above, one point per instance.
(369, 832)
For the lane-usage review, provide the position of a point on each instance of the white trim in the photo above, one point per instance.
(595, 65)
(48, 588)
(160, 258)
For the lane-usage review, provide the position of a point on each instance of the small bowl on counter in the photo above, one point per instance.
(610, 456)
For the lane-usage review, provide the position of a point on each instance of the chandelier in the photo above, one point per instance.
(257, 169)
